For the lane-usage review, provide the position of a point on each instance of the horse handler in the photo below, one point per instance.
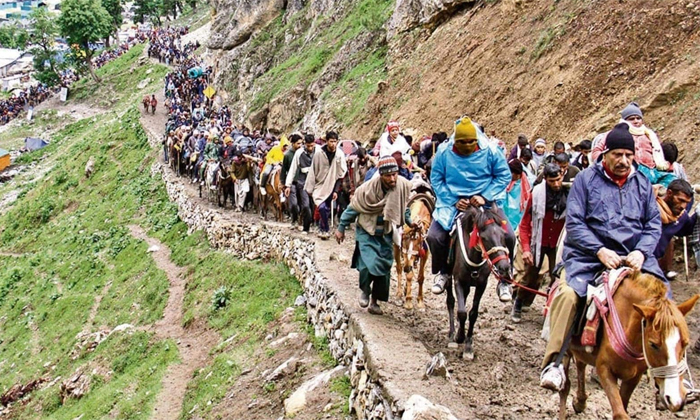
(378, 205)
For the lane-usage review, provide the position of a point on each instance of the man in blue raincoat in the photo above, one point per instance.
(611, 214)
(467, 171)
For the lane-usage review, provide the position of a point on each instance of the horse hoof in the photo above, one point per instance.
(421, 306)
(579, 406)
(468, 355)
(408, 304)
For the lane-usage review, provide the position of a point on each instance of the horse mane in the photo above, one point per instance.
(667, 315)
(482, 217)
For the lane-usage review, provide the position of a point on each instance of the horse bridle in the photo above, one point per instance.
(668, 371)
(485, 254)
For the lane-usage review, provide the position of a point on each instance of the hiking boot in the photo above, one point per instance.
(364, 299)
(671, 275)
(439, 283)
(517, 311)
(374, 309)
(553, 377)
(526, 308)
(324, 235)
(505, 292)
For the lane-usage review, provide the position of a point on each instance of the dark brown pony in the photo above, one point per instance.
(655, 329)
(146, 101)
(480, 249)
(224, 185)
(273, 190)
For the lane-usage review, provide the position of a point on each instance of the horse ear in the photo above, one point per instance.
(687, 306)
(645, 311)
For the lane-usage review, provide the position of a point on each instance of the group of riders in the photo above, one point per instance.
(617, 199)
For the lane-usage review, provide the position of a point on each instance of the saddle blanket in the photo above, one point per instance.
(596, 291)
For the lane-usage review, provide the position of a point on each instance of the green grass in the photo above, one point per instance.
(119, 81)
(341, 385)
(358, 85)
(73, 239)
(546, 40)
(12, 138)
(303, 62)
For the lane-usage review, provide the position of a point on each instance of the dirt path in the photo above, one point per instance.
(193, 343)
(502, 382)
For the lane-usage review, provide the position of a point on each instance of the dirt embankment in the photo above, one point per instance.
(560, 70)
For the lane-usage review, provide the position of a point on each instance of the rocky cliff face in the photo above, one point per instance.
(560, 70)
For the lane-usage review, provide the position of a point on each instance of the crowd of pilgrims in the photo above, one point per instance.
(25, 99)
(203, 134)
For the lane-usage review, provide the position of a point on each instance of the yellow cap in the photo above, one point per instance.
(465, 129)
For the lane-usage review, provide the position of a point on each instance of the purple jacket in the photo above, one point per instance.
(682, 227)
(601, 214)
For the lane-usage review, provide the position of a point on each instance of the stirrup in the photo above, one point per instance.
(546, 381)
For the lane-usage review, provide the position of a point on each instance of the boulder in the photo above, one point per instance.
(297, 401)
(419, 408)
(285, 369)
(409, 14)
(238, 19)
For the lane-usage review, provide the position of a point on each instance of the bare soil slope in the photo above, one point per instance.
(560, 70)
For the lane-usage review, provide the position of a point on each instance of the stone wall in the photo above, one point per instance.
(325, 311)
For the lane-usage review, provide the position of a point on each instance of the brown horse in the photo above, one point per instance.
(414, 251)
(655, 329)
(146, 101)
(273, 190)
(224, 185)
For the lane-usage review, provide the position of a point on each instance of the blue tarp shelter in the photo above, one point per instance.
(34, 143)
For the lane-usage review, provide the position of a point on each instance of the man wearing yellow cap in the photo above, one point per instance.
(467, 171)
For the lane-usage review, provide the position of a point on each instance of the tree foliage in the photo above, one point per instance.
(13, 35)
(114, 8)
(83, 23)
(147, 11)
(44, 28)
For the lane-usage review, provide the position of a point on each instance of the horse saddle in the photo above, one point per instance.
(597, 304)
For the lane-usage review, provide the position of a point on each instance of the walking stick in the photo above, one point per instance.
(685, 257)
(332, 213)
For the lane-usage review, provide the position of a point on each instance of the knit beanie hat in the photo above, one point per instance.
(619, 138)
(540, 141)
(465, 129)
(387, 164)
(630, 110)
(391, 125)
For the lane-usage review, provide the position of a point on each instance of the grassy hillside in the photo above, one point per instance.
(66, 241)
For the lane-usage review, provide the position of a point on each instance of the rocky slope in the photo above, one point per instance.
(555, 69)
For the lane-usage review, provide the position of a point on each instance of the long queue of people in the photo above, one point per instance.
(617, 199)
(25, 99)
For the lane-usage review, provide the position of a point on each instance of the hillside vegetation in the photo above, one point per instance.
(561, 70)
(69, 267)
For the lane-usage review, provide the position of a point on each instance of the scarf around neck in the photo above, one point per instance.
(371, 201)
(555, 201)
(524, 190)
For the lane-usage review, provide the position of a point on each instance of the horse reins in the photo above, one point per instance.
(486, 256)
(622, 347)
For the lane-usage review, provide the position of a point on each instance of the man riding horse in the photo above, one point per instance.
(611, 215)
(467, 172)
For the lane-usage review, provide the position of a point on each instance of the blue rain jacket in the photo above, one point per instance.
(484, 172)
(601, 214)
